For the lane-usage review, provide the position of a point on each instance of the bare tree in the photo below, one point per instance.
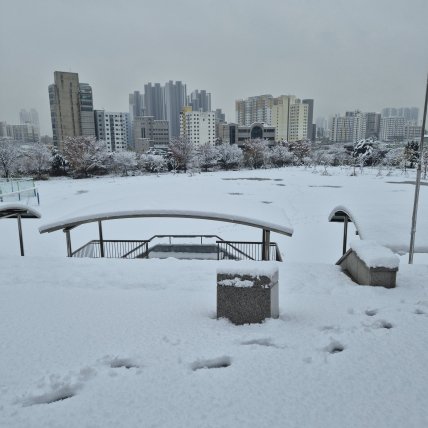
(36, 159)
(182, 152)
(85, 155)
(9, 158)
(301, 149)
(256, 153)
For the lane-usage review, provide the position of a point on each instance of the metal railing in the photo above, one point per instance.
(113, 249)
(132, 249)
(244, 250)
(18, 190)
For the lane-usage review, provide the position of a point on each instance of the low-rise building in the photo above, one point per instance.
(150, 133)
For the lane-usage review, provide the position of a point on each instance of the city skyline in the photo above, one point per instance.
(367, 61)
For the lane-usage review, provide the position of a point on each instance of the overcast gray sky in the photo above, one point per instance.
(364, 54)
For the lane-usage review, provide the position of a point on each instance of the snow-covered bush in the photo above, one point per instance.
(207, 156)
(123, 162)
(229, 156)
(281, 156)
(152, 163)
(181, 153)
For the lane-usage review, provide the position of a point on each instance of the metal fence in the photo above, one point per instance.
(244, 250)
(18, 190)
(113, 249)
(226, 250)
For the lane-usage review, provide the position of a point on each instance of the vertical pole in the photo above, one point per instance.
(19, 193)
(418, 181)
(345, 234)
(67, 237)
(265, 244)
(21, 241)
(100, 230)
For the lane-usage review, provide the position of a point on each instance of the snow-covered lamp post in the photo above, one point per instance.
(418, 181)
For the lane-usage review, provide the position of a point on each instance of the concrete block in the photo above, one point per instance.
(247, 298)
(364, 275)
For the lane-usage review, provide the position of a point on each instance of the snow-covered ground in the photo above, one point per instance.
(123, 343)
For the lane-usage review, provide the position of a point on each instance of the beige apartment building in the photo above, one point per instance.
(290, 117)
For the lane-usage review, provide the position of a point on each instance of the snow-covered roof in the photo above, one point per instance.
(12, 210)
(387, 224)
(260, 216)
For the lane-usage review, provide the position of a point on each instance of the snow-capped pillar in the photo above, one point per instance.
(247, 295)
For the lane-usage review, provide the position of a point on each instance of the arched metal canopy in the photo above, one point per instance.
(18, 211)
(69, 224)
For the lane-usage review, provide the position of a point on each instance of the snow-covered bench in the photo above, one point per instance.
(369, 263)
(247, 293)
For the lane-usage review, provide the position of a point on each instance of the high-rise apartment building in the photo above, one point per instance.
(86, 110)
(197, 126)
(29, 116)
(114, 128)
(199, 100)
(408, 113)
(175, 99)
(26, 133)
(71, 105)
(280, 116)
(298, 122)
(392, 128)
(154, 101)
(372, 125)
(136, 105)
(254, 109)
(310, 126)
(65, 106)
(349, 128)
(291, 123)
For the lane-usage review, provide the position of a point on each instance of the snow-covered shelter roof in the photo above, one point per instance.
(13, 210)
(248, 214)
(388, 225)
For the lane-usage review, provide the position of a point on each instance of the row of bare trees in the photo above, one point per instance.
(85, 156)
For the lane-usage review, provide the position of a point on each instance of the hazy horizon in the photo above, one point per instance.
(344, 56)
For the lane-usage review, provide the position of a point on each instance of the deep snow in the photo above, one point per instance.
(120, 343)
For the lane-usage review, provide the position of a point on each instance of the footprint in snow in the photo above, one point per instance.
(266, 341)
(215, 363)
(334, 347)
(57, 388)
(383, 324)
(371, 312)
